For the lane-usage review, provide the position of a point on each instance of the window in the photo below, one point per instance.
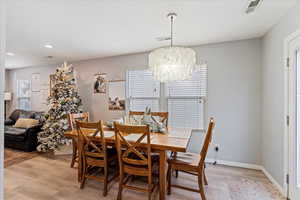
(24, 88)
(24, 103)
(184, 100)
(142, 91)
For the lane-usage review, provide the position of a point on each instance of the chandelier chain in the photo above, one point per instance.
(172, 21)
(173, 63)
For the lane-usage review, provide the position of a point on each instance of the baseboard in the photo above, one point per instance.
(236, 164)
(250, 166)
(273, 181)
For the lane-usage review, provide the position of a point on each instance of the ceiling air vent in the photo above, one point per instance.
(252, 5)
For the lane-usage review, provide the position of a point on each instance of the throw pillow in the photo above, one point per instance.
(26, 123)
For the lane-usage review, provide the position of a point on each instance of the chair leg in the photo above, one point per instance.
(105, 180)
(149, 195)
(201, 187)
(204, 177)
(80, 169)
(169, 172)
(83, 178)
(174, 155)
(120, 186)
(149, 187)
(74, 154)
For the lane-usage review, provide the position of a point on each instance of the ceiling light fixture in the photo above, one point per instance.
(10, 54)
(173, 63)
(49, 46)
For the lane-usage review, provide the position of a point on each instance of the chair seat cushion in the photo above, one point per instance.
(190, 159)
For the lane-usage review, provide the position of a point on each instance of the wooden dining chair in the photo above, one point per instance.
(192, 164)
(94, 154)
(134, 161)
(163, 116)
(72, 118)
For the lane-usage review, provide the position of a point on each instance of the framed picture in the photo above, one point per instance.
(35, 82)
(100, 83)
(116, 92)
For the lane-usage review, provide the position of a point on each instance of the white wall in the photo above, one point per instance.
(273, 119)
(234, 98)
(233, 93)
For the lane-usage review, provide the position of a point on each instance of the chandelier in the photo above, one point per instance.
(173, 63)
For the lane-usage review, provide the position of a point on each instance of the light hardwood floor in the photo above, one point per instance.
(43, 178)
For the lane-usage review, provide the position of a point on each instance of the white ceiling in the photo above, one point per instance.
(85, 29)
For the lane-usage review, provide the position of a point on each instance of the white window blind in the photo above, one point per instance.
(186, 101)
(141, 84)
(142, 90)
(185, 113)
(195, 87)
(24, 94)
(24, 103)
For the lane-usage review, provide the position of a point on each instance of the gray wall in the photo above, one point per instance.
(273, 93)
(233, 93)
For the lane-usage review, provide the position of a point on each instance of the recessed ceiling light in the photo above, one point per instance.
(49, 46)
(10, 54)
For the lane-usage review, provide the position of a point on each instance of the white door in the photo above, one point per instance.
(294, 118)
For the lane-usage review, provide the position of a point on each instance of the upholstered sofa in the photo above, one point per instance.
(24, 139)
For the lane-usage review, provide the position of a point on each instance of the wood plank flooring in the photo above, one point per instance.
(44, 178)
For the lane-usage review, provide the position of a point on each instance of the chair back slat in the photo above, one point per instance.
(93, 145)
(207, 141)
(130, 152)
(84, 117)
(164, 116)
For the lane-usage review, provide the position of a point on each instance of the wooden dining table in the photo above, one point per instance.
(175, 140)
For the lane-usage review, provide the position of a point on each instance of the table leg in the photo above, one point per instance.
(162, 175)
(79, 162)
(79, 168)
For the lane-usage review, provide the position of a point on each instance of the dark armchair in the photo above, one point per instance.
(21, 138)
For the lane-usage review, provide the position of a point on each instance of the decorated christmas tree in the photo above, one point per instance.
(63, 100)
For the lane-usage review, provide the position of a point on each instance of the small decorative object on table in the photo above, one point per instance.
(155, 126)
(110, 123)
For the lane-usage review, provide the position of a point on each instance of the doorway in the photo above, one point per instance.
(293, 118)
